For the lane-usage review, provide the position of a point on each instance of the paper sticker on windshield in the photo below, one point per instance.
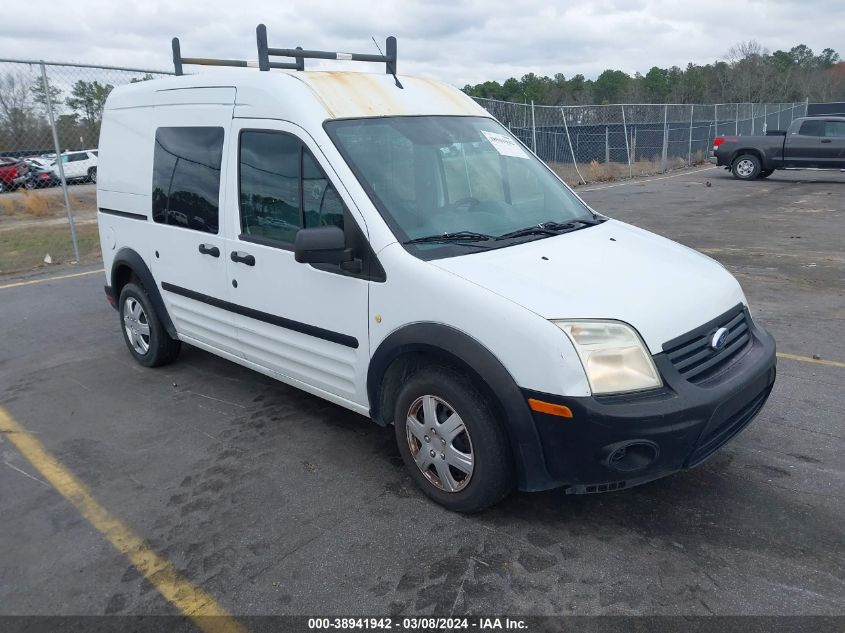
(505, 145)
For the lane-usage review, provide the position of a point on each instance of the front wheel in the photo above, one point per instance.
(143, 331)
(746, 167)
(92, 174)
(451, 442)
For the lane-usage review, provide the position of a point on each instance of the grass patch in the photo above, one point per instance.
(24, 248)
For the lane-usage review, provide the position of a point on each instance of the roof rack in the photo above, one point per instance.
(299, 55)
(265, 52)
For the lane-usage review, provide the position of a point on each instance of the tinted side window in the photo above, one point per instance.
(282, 188)
(812, 128)
(834, 128)
(186, 177)
(269, 185)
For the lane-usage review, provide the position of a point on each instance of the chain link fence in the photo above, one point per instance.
(607, 142)
(50, 115)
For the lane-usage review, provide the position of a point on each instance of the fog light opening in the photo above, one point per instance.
(632, 456)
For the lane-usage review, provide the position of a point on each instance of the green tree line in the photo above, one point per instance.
(749, 73)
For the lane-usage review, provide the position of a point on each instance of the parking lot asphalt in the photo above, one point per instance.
(276, 502)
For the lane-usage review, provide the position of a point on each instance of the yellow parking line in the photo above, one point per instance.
(44, 280)
(807, 359)
(191, 600)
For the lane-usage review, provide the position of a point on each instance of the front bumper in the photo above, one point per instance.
(619, 441)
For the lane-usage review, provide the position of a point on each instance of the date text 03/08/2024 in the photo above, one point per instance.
(419, 624)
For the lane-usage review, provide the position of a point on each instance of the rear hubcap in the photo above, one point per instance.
(137, 325)
(439, 443)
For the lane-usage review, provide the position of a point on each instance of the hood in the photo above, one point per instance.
(609, 271)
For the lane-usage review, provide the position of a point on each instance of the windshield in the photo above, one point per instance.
(463, 177)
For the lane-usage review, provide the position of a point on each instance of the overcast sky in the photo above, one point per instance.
(460, 41)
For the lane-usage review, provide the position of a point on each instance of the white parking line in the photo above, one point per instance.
(44, 280)
(638, 181)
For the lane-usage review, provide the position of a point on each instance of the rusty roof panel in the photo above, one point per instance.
(351, 94)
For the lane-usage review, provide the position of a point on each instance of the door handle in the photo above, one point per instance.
(825, 140)
(242, 258)
(208, 249)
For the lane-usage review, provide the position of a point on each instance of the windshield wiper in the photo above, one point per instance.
(457, 236)
(551, 228)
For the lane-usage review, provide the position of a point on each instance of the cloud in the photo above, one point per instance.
(460, 41)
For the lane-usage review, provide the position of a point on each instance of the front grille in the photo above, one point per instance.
(720, 436)
(696, 360)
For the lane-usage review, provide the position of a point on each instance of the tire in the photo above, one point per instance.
(475, 441)
(765, 173)
(2, 187)
(143, 332)
(746, 167)
(92, 174)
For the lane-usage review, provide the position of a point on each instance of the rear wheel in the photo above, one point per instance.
(451, 442)
(766, 173)
(2, 186)
(143, 331)
(92, 174)
(746, 167)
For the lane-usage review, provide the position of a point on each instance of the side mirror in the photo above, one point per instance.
(321, 245)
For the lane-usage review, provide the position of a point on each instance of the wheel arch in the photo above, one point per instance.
(129, 265)
(419, 344)
(749, 150)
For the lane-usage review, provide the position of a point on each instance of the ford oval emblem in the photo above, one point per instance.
(719, 338)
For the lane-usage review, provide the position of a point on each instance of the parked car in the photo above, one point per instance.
(817, 142)
(13, 173)
(79, 166)
(305, 225)
(40, 162)
(41, 178)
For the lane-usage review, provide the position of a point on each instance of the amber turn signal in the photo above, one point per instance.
(560, 410)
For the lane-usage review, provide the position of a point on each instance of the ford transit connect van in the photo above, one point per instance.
(382, 242)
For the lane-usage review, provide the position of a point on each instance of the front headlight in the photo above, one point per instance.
(614, 357)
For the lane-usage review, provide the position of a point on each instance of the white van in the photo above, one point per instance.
(382, 242)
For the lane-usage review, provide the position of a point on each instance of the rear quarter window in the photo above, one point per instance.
(186, 177)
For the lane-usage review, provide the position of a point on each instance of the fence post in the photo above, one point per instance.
(533, 129)
(736, 121)
(49, 103)
(780, 108)
(606, 145)
(689, 148)
(569, 140)
(715, 120)
(765, 118)
(664, 157)
(627, 148)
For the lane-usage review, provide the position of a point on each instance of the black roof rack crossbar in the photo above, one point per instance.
(179, 61)
(300, 55)
(264, 53)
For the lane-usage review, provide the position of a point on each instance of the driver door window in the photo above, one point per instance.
(282, 189)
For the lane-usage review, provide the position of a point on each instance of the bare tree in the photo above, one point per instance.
(16, 112)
